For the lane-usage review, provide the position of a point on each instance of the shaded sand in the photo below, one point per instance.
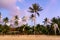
(29, 37)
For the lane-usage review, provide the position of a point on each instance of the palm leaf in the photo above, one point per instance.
(31, 10)
(34, 7)
(40, 9)
(38, 14)
(32, 16)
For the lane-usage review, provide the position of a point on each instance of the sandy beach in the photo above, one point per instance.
(29, 37)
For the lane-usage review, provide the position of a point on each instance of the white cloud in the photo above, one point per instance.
(7, 3)
(15, 11)
(11, 6)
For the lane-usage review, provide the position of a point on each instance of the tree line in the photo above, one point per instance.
(51, 27)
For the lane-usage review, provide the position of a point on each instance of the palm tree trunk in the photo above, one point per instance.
(34, 26)
(34, 23)
(5, 23)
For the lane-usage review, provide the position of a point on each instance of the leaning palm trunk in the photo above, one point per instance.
(55, 28)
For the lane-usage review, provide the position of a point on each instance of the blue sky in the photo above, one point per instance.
(51, 8)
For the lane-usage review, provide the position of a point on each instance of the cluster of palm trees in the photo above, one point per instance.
(49, 27)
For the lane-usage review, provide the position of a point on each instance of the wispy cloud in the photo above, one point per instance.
(11, 6)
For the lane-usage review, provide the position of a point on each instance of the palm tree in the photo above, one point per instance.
(59, 21)
(45, 21)
(16, 20)
(56, 23)
(16, 17)
(5, 20)
(54, 20)
(32, 17)
(0, 15)
(35, 10)
(16, 23)
(0, 18)
(25, 19)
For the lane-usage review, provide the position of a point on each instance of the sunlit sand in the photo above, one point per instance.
(29, 37)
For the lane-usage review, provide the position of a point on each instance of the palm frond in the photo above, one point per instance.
(38, 14)
(31, 10)
(40, 9)
(34, 6)
(32, 16)
(46, 19)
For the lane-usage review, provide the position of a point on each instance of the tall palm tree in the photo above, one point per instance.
(16, 20)
(56, 23)
(5, 20)
(35, 10)
(56, 20)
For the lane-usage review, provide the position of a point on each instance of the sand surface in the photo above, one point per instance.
(29, 37)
